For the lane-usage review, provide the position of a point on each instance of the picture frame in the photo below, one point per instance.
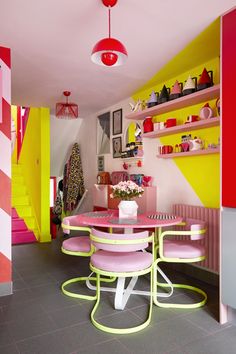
(117, 122)
(117, 147)
(100, 163)
(103, 134)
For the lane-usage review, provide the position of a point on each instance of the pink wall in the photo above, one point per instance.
(5, 173)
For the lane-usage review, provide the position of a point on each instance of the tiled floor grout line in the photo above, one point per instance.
(209, 333)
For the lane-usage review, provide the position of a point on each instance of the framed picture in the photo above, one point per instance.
(117, 146)
(103, 134)
(100, 163)
(117, 122)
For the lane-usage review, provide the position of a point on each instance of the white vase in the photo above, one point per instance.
(128, 209)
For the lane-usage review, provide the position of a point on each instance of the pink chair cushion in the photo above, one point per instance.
(77, 244)
(182, 249)
(114, 247)
(122, 261)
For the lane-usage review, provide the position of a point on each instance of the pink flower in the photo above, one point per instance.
(127, 190)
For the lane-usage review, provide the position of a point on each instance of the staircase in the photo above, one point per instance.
(24, 228)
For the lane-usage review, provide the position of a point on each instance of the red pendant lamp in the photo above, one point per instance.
(109, 51)
(66, 110)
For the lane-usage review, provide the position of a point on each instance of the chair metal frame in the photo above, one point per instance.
(123, 275)
(162, 258)
(81, 279)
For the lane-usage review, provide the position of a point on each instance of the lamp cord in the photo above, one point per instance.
(109, 20)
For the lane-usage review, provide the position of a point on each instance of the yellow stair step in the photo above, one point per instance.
(20, 200)
(18, 189)
(24, 210)
(18, 179)
(30, 222)
(16, 169)
(36, 233)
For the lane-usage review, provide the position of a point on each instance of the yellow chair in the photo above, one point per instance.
(184, 250)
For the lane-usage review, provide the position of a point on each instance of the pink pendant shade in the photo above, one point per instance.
(66, 110)
(109, 51)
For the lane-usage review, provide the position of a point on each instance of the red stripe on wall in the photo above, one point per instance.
(228, 117)
(5, 193)
(5, 55)
(5, 269)
(5, 126)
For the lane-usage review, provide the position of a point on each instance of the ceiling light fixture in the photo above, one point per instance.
(66, 110)
(109, 51)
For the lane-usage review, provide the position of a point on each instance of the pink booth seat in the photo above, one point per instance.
(182, 249)
(121, 261)
(77, 244)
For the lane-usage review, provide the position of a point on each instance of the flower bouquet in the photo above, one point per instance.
(126, 191)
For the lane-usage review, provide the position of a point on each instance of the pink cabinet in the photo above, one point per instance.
(102, 199)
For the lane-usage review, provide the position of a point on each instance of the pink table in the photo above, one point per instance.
(109, 219)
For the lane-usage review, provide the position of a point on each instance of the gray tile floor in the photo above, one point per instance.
(38, 318)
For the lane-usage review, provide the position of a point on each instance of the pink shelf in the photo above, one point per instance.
(204, 123)
(189, 100)
(189, 153)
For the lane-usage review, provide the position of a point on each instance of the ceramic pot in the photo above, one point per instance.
(148, 125)
(206, 112)
(128, 209)
(195, 144)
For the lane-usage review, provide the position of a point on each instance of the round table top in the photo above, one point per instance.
(110, 218)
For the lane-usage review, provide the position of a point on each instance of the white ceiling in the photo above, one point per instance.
(51, 43)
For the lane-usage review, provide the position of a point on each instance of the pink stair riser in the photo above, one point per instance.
(19, 237)
(18, 225)
(14, 213)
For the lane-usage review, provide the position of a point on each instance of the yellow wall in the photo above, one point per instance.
(45, 174)
(14, 117)
(202, 172)
(205, 47)
(35, 161)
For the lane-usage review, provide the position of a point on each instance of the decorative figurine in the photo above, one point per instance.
(139, 163)
(206, 112)
(125, 166)
(136, 107)
(152, 100)
(164, 95)
(191, 118)
(218, 106)
(190, 85)
(176, 90)
(195, 144)
(185, 142)
(147, 181)
(205, 79)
